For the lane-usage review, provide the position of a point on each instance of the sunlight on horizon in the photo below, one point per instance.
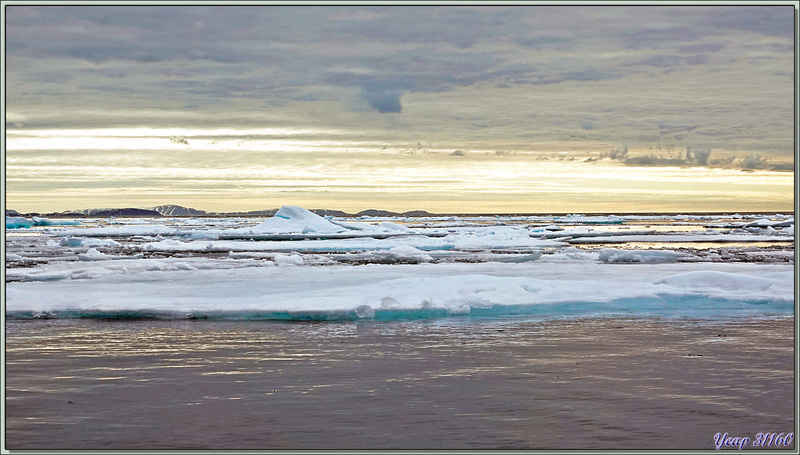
(70, 172)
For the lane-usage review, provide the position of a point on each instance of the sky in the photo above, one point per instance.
(452, 109)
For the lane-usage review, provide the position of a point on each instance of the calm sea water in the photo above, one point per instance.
(441, 384)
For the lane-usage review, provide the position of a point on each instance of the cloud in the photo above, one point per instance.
(701, 48)
(698, 156)
(774, 20)
(548, 66)
(696, 59)
(384, 100)
(113, 73)
(540, 41)
(659, 38)
(662, 61)
(587, 75)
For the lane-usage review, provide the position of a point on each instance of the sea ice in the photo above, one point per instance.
(395, 227)
(37, 221)
(93, 255)
(405, 252)
(294, 219)
(118, 231)
(17, 222)
(583, 219)
(610, 255)
(434, 289)
(727, 284)
(288, 259)
(423, 268)
(766, 222)
(682, 238)
(88, 242)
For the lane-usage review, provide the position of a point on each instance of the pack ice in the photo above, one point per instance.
(298, 265)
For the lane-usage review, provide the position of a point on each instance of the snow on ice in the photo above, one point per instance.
(298, 265)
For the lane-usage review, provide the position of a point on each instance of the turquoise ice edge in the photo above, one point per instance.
(664, 306)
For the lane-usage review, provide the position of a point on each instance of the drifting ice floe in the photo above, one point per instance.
(582, 219)
(119, 231)
(424, 290)
(93, 255)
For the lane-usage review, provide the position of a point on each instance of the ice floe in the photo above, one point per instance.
(432, 289)
(639, 256)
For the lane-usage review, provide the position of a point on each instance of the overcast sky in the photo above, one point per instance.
(255, 80)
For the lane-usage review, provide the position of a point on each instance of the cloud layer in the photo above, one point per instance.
(374, 57)
(506, 79)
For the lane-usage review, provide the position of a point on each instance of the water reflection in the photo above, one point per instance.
(443, 384)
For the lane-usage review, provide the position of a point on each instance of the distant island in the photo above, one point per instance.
(172, 210)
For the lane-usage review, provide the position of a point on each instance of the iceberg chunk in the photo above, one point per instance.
(88, 242)
(405, 252)
(294, 219)
(288, 259)
(16, 222)
(37, 221)
(706, 280)
(610, 255)
(92, 255)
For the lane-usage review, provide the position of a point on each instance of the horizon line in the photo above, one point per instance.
(417, 212)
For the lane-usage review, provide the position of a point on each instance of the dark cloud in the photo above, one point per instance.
(768, 20)
(113, 74)
(667, 128)
(51, 77)
(669, 62)
(681, 28)
(541, 41)
(384, 100)
(109, 33)
(659, 38)
(771, 47)
(690, 157)
(696, 59)
(662, 61)
(700, 48)
(459, 27)
(195, 55)
(588, 75)
(698, 156)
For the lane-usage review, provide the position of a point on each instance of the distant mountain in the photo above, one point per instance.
(261, 213)
(326, 212)
(177, 210)
(416, 213)
(373, 212)
(271, 212)
(130, 211)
